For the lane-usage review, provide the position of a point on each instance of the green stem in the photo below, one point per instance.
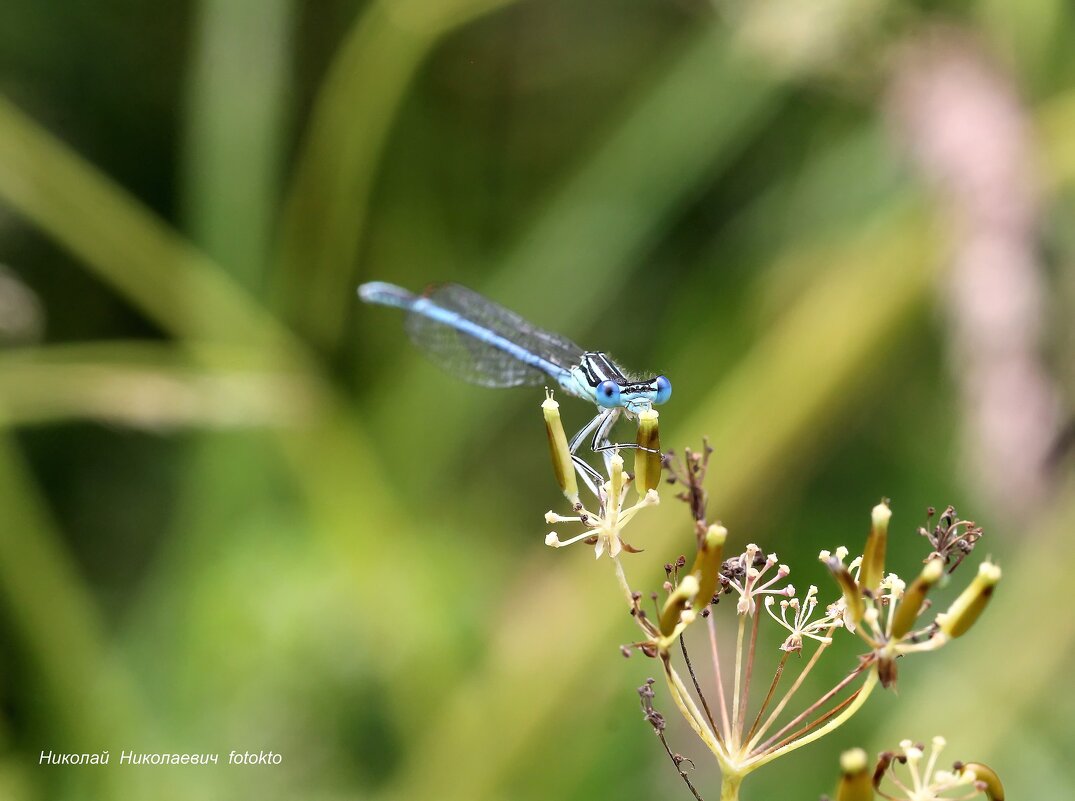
(622, 578)
(691, 713)
(729, 786)
(736, 729)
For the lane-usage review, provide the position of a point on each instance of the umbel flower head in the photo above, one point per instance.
(742, 731)
(913, 774)
(884, 611)
(802, 623)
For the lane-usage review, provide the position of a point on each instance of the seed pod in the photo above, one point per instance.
(855, 784)
(988, 778)
(562, 465)
(911, 603)
(968, 606)
(680, 600)
(873, 555)
(707, 564)
(648, 453)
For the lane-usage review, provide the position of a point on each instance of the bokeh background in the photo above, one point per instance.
(239, 511)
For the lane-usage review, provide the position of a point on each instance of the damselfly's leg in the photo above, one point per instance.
(586, 429)
(592, 478)
(600, 443)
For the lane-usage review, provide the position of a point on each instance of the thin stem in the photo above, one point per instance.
(720, 681)
(769, 695)
(623, 582)
(791, 692)
(697, 688)
(750, 672)
(813, 724)
(860, 699)
(678, 762)
(690, 712)
(817, 704)
(738, 675)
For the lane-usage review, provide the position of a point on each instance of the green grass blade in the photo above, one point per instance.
(237, 89)
(149, 386)
(121, 242)
(325, 214)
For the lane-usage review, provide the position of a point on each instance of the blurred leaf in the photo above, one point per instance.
(144, 385)
(89, 701)
(1056, 125)
(237, 93)
(589, 238)
(1026, 34)
(124, 244)
(325, 214)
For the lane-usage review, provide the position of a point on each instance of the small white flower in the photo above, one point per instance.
(925, 782)
(800, 624)
(751, 584)
(603, 529)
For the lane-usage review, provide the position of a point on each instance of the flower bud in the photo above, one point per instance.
(911, 603)
(648, 453)
(681, 599)
(873, 556)
(968, 606)
(987, 778)
(707, 562)
(855, 783)
(562, 465)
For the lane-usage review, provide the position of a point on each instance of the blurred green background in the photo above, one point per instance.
(241, 512)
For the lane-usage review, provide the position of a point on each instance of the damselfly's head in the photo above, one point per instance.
(634, 396)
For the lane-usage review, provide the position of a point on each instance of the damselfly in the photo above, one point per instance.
(484, 343)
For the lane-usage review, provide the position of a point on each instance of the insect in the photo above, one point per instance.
(480, 341)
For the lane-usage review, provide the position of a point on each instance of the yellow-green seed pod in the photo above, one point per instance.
(648, 453)
(873, 556)
(911, 603)
(856, 607)
(989, 778)
(681, 598)
(707, 564)
(562, 466)
(968, 606)
(855, 783)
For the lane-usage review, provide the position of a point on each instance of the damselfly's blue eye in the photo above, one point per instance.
(664, 389)
(608, 394)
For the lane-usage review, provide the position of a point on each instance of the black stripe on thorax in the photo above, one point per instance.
(598, 367)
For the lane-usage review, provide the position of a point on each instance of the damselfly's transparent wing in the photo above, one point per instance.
(472, 357)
